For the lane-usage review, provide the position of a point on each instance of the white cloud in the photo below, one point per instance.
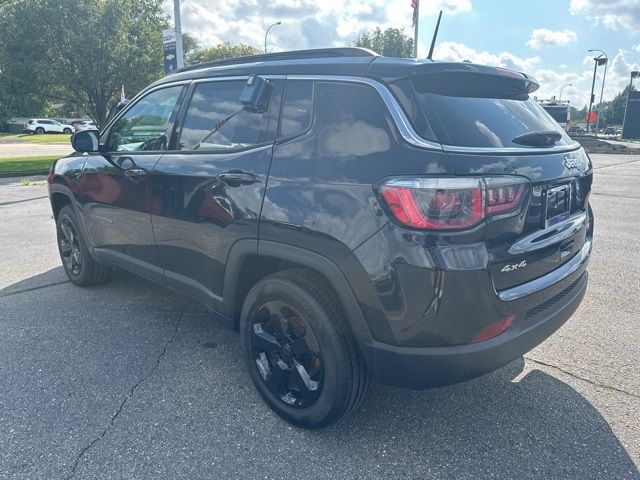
(613, 14)
(543, 37)
(551, 80)
(305, 23)
(459, 52)
(637, 48)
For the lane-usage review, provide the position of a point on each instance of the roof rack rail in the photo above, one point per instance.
(291, 55)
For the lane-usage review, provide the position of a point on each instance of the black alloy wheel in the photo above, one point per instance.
(299, 350)
(287, 354)
(70, 247)
(80, 266)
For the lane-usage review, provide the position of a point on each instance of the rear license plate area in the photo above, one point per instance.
(557, 205)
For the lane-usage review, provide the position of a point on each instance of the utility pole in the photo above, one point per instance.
(178, 29)
(416, 20)
(604, 77)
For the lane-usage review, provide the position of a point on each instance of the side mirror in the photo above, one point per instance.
(254, 94)
(86, 141)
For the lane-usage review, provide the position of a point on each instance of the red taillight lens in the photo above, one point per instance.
(441, 203)
(502, 199)
(435, 203)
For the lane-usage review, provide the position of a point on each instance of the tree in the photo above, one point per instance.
(190, 47)
(83, 50)
(393, 42)
(612, 112)
(223, 50)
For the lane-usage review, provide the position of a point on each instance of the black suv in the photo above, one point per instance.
(361, 218)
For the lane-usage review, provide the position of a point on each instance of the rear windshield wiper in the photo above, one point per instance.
(545, 138)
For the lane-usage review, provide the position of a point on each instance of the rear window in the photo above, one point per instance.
(484, 112)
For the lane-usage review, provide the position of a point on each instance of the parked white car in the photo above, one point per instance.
(85, 125)
(40, 125)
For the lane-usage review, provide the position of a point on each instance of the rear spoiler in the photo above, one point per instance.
(456, 78)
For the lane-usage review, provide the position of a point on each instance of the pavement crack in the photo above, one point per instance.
(125, 400)
(2, 204)
(612, 195)
(30, 289)
(581, 378)
(617, 164)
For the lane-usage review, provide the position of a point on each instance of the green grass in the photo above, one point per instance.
(14, 167)
(45, 138)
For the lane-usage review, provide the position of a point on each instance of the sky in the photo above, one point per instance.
(548, 39)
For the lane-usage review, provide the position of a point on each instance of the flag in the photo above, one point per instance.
(122, 96)
(415, 5)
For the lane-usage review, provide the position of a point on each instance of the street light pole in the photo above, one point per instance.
(563, 87)
(596, 61)
(267, 33)
(604, 77)
(178, 28)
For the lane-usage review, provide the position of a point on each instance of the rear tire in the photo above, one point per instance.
(78, 263)
(310, 372)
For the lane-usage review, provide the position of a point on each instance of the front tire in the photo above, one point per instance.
(67, 131)
(299, 350)
(78, 263)
(39, 130)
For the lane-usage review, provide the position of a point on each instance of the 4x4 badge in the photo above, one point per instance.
(515, 266)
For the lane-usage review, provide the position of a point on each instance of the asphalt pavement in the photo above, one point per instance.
(129, 380)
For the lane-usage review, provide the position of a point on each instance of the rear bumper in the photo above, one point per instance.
(426, 367)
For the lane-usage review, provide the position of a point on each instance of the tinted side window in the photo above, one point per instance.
(297, 107)
(144, 125)
(215, 119)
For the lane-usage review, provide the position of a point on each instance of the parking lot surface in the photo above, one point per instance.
(129, 380)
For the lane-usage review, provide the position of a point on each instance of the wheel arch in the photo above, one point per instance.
(250, 261)
(58, 200)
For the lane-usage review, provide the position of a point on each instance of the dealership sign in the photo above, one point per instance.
(169, 50)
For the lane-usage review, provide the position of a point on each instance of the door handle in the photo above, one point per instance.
(135, 173)
(235, 178)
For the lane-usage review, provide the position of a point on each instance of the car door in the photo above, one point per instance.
(55, 126)
(207, 193)
(114, 186)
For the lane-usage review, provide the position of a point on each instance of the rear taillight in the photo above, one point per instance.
(440, 203)
(504, 194)
(435, 203)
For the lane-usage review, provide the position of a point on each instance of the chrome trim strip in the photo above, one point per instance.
(550, 278)
(399, 117)
(410, 135)
(401, 120)
(522, 151)
(549, 236)
(237, 77)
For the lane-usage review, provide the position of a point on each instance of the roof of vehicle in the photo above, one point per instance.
(326, 61)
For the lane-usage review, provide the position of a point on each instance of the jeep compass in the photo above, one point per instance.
(361, 218)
